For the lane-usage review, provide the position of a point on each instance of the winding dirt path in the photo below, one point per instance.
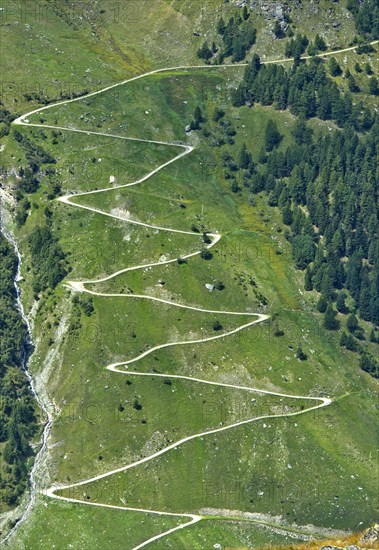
(80, 286)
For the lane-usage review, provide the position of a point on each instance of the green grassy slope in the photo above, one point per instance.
(67, 47)
(256, 357)
(269, 467)
(64, 525)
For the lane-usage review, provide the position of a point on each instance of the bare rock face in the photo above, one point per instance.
(274, 9)
(371, 536)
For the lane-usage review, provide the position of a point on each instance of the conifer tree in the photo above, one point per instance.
(340, 304)
(272, 135)
(322, 304)
(221, 26)
(330, 321)
(352, 323)
(308, 284)
(244, 157)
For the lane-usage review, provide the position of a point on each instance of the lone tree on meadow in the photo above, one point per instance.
(206, 238)
(300, 354)
(206, 254)
(217, 325)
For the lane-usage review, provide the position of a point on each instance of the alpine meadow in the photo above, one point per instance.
(189, 276)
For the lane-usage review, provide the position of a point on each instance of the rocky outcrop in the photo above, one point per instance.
(371, 536)
(368, 541)
(274, 9)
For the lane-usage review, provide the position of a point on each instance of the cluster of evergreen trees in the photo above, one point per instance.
(366, 17)
(48, 259)
(326, 188)
(17, 406)
(327, 191)
(35, 154)
(44, 99)
(305, 89)
(218, 129)
(31, 174)
(236, 36)
(6, 118)
(296, 46)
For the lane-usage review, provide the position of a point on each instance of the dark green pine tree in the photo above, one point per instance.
(330, 320)
(221, 26)
(368, 69)
(343, 339)
(369, 364)
(204, 52)
(322, 304)
(373, 86)
(239, 95)
(352, 85)
(262, 157)
(365, 300)
(298, 220)
(303, 250)
(351, 343)
(198, 116)
(301, 133)
(231, 31)
(353, 279)
(238, 48)
(272, 135)
(374, 305)
(320, 43)
(244, 157)
(251, 75)
(278, 31)
(334, 68)
(300, 354)
(308, 284)
(280, 97)
(338, 243)
(326, 284)
(297, 186)
(352, 323)
(287, 214)
(340, 304)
